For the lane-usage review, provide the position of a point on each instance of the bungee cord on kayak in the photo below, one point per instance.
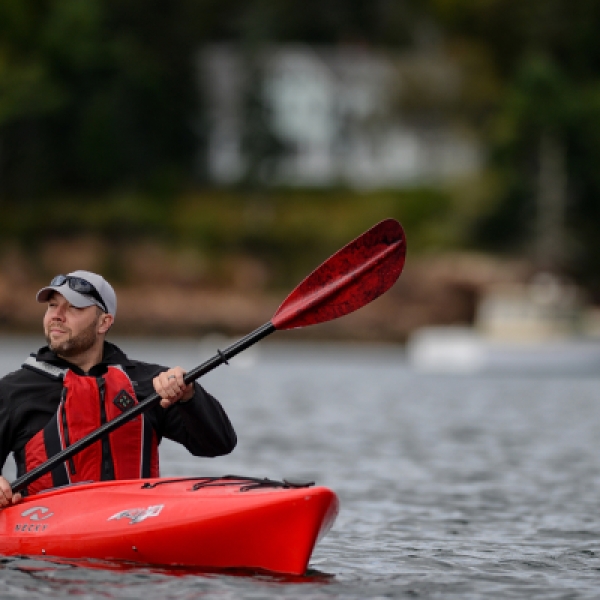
(225, 480)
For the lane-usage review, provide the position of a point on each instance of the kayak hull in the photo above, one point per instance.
(201, 523)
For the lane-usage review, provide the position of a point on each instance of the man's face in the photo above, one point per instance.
(70, 330)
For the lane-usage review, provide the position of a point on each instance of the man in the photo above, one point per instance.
(79, 381)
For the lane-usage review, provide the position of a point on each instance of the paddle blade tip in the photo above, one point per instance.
(351, 278)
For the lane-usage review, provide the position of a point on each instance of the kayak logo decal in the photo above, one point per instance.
(137, 515)
(35, 513)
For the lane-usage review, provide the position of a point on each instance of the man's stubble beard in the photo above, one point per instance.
(75, 345)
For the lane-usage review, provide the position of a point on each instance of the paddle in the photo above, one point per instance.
(354, 276)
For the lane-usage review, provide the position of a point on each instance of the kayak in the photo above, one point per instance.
(210, 523)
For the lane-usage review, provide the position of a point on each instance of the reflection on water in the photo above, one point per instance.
(457, 486)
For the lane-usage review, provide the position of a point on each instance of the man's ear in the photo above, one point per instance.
(105, 322)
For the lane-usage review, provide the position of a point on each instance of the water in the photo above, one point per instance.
(464, 486)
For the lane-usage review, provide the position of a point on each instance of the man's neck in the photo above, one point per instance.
(88, 359)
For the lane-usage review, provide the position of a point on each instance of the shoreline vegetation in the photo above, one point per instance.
(221, 262)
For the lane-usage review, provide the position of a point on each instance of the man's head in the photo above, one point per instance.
(81, 309)
(81, 289)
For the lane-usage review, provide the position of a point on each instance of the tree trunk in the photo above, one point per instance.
(551, 203)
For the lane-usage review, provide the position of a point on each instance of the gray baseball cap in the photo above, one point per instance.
(81, 289)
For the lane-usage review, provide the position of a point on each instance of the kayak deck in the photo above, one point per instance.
(201, 522)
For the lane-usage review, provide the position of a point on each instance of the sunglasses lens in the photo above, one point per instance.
(59, 280)
(80, 285)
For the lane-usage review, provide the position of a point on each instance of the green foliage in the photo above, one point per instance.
(287, 231)
(100, 95)
(544, 58)
(94, 94)
(540, 101)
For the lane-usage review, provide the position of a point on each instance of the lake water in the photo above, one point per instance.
(451, 486)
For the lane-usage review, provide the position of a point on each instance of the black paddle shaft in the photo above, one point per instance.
(221, 357)
(354, 276)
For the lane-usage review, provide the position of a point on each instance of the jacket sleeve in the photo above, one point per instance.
(200, 424)
(6, 433)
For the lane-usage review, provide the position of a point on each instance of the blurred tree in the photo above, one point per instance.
(382, 23)
(529, 140)
(102, 93)
(95, 94)
(540, 60)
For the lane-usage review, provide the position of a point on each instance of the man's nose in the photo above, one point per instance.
(58, 313)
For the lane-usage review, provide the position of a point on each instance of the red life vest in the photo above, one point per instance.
(129, 452)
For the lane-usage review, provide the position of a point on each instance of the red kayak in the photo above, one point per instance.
(203, 522)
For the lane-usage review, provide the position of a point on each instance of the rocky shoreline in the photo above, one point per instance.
(434, 290)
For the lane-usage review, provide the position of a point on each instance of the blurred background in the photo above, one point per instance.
(206, 155)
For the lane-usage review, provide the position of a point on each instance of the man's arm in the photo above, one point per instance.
(188, 414)
(202, 423)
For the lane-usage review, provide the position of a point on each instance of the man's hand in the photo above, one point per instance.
(6, 495)
(171, 387)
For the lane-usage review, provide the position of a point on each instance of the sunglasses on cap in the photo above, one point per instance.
(81, 286)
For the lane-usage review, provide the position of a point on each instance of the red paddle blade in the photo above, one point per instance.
(354, 276)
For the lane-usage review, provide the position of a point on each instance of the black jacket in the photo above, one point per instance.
(28, 400)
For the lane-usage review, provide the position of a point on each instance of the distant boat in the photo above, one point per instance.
(540, 327)
(456, 349)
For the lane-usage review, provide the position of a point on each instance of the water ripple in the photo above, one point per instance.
(451, 487)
